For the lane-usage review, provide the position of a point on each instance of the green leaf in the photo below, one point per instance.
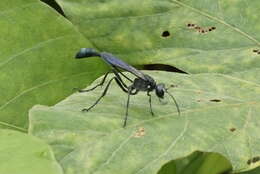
(133, 30)
(37, 64)
(24, 154)
(197, 163)
(213, 164)
(219, 113)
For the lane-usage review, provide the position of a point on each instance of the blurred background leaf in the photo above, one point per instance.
(157, 32)
(198, 163)
(22, 153)
(37, 63)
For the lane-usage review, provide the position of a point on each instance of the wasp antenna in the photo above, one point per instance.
(171, 86)
(176, 104)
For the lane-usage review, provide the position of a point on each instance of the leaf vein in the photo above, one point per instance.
(114, 152)
(37, 86)
(38, 45)
(174, 142)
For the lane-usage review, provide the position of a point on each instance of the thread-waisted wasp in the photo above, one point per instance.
(142, 82)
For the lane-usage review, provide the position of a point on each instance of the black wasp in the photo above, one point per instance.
(142, 82)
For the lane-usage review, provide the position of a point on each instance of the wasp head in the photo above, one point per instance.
(160, 90)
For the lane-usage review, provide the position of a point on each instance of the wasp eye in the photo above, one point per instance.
(159, 93)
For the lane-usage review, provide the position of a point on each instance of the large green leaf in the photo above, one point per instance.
(219, 113)
(24, 154)
(133, 30)
(36, 60)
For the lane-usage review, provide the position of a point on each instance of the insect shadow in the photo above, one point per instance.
(142, 82)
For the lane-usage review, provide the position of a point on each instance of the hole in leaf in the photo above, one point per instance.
(215, 100)
(200, 29)
(165, 34)
(257, 51)
(253, 160)
(190, 25)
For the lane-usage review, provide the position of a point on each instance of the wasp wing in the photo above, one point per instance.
(114, 61)
(110, 59)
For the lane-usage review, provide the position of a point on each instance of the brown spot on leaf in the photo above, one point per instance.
(140, 132)
(215, 100)
(232, 129)
(173, 86)
(200, 29)
(255, 159)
